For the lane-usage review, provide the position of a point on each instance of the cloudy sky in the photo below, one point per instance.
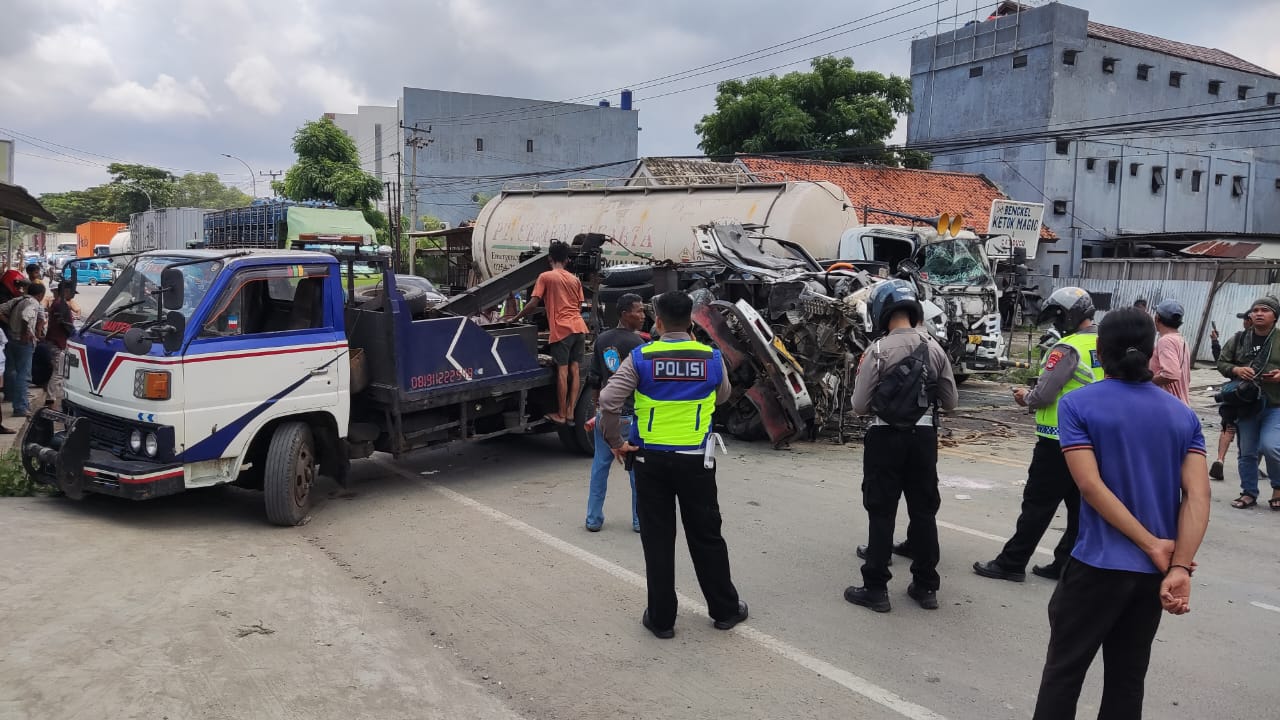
(176, 83)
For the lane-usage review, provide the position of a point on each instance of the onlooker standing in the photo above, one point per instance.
(561, 292)
(1226, 413)
(61, 327)
(1258, 429)
(1171, 363)
(901, 455)
(675, 382)
(1068, 366)
(611, 348)
(22, 319)
(1141, 304)
(1137, 456)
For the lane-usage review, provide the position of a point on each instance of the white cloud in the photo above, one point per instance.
(330, 88)
(254, 81)
(165, 99)
(72, 46)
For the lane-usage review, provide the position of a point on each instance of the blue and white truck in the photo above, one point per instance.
(267, 369)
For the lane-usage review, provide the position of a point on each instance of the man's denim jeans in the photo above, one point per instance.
(600, 475)
(1259, 435)
(17, 373)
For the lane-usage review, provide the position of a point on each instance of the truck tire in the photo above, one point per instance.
(610, 295)
(623, 275)
(415, 299)
(575, 438)
(290, 474)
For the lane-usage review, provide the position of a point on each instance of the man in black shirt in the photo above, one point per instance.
(62, 325)
(612, 347)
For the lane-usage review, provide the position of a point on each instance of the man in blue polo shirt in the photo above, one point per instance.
(1137, 455)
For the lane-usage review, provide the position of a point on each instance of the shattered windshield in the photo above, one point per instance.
(955, 262)
(132, 298)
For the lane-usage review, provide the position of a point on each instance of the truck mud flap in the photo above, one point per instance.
(60, 457)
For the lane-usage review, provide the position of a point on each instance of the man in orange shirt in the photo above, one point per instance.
(560, 292)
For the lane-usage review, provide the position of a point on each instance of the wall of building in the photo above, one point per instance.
(488, 136)
(1046, 93)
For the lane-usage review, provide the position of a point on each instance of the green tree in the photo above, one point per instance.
(205, 190)
(328, 168)
(80, 206)
(840, 112)
(138, 187)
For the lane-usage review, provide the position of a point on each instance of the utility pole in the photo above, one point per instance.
(416, 142)
(273, 174)
(394, 215)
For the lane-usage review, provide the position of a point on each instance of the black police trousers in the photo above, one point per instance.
(1115, 610)
(662, 478)
(1048, 484)
(901, 463)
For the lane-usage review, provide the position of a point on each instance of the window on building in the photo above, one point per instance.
(1113, 170)
(528, 146)
(1109, 65)
(1057, 271)
(1195, 180)
(1237, 186)
(1157, 179)
(1090, 163)
(1215, 86)
(1133, 169)
(1019, 61)
(1278, 183)
(1059, 207)
(975, 71)
(1175, 79)
(1271, 98)
(1242, 92)
(1177, 174)
(1217, 178)
(1069, 57)
(1062, 147)
(1144, 71)
(479, 144)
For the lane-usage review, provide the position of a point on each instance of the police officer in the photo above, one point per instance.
(676, 384)
(1069, 365)
(900, 461)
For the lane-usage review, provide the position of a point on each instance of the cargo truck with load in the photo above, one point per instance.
(258, 368)
(93, 235)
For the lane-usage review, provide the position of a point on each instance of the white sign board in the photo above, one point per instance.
(1019, 223)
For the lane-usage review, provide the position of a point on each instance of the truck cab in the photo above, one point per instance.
(954, 274)
(265, 368)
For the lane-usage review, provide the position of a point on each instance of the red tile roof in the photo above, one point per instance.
(927, 193)
(1209, 56)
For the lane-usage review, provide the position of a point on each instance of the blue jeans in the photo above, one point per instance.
(600, 475)
(17, 373)
(1259, 434)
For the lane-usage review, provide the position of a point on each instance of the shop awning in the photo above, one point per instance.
(17, 204)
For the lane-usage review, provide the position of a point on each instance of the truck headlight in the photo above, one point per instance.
(153, 445)
(135, 441)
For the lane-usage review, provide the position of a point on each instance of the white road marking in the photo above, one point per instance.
(1265, 606)
(984, 535)
(854, 683)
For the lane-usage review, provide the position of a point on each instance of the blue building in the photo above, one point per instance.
(459, 148)
(1127, 138)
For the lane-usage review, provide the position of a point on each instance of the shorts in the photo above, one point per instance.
(568, 350)
(1229, 414)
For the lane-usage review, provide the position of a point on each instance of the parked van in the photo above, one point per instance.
(91, 272)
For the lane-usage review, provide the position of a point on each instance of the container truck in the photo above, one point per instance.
(278, 224)
(165, 229)
(94, 234)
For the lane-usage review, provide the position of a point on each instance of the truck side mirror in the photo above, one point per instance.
(173, 285)
(137, 342)
(174, 332)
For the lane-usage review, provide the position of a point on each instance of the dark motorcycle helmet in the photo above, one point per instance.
(889, 297)
(1066, 308)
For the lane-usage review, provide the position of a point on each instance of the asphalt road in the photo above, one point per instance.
(461, 583)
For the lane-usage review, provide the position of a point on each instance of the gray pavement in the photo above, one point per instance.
(460, 583)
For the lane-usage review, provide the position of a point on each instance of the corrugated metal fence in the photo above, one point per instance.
(1230, 299)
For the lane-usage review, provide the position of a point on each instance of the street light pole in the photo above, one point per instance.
(252, 176)
(150, 204)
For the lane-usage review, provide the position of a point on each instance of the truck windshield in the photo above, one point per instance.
(955, 262)
(131, 298)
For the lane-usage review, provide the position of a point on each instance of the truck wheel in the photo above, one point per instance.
(93, 281)
(610, 295)
(289, 474)
(623, 275)
(575, 438)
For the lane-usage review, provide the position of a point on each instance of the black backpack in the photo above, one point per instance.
(907, 389)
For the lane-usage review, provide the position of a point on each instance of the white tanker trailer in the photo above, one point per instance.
(656, 222)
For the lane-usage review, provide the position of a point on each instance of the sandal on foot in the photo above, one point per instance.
(556, 419)
(1244, 502)
(1274, 504)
